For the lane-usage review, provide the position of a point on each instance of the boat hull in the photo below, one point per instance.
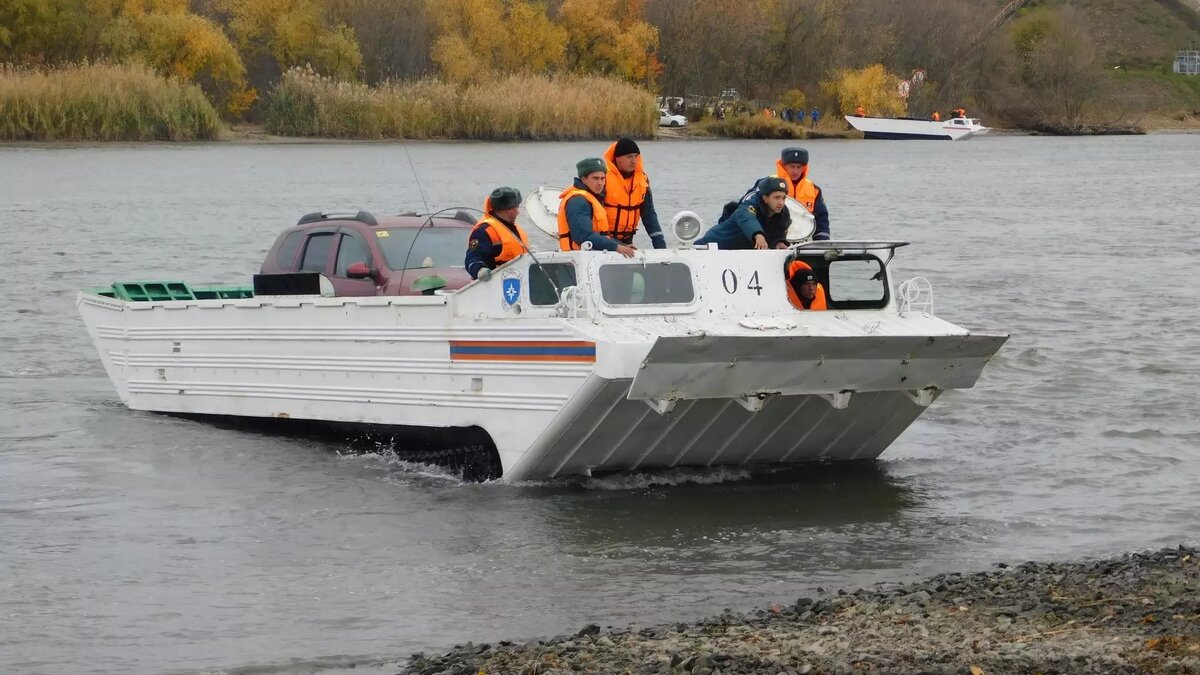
(884, 128)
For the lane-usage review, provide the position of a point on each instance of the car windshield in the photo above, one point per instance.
(434, 247)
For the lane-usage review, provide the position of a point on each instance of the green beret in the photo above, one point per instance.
(590, 165)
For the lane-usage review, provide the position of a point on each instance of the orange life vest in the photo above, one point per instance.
(802, 190)
(511, 245)
(860, 111)
(818, 301)
(623, 197)
(599, 218)
(937, 116)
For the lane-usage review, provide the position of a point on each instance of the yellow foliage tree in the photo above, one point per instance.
(166, 36)
(872, 87)
(793, 98)
(294, 33)
(610, 37)
(478, 38)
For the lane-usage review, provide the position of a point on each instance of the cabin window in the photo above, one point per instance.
(351, 250)
(286, 255)
(316, 254)
(407, 248)
(545, 281)
(652, 284)
(857, 283)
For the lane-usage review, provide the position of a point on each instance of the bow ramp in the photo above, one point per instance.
(708, 400)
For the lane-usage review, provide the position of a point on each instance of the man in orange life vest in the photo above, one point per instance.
(627, 197)
(496, 238)
(792, 166)
(803, 290)
(581, 214)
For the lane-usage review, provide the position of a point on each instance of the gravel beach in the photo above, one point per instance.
(1137, 613)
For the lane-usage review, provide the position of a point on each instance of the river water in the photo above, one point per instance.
(134, 542)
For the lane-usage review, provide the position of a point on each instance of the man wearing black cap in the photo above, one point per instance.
(760, 220)
(496, 238)
(793, 168)
(627, 197)
(581, 215)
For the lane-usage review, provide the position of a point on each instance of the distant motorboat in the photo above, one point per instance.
(907, 128)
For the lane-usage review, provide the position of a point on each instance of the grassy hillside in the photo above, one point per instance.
(1142, 34)
(1137, 41)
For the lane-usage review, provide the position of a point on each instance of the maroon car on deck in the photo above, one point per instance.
(367, 255)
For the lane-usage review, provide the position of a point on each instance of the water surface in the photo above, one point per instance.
(134, 542)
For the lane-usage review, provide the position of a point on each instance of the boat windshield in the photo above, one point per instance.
(407, 248)
(658, 284)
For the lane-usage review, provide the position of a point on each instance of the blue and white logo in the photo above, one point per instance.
(512, 290)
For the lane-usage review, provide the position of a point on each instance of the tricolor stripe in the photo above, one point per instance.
(523, 350)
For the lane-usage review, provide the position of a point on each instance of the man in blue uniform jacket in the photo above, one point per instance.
(759, 221)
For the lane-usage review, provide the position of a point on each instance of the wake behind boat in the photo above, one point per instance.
(909, 128)
(561, 363)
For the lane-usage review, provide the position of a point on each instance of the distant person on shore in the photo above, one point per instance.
(759, 221)
(627, 196)
(803, 290)
(496, 238)
(936, 117)
(816, 115)
(581, 214)
(792, 167)
(860, 111)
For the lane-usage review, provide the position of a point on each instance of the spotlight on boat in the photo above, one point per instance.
(686, 225)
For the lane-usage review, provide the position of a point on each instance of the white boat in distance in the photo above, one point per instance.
(562, 363)
(908, 128)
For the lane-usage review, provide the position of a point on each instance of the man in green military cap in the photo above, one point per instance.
(581, 215)
(496, 238)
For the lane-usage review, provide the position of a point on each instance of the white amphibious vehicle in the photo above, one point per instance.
(566, 363)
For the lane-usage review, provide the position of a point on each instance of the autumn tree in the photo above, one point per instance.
(395, 36)
(275, 35)
(478, 38)
(873, 88)
(164, 35)
(610, 37)
(53, 31)
(1045, 74)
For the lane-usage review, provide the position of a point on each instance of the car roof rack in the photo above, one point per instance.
(461, 214)
(317, 216)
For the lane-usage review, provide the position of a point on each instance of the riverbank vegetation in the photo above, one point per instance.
(532, 107)
(1055, 65)
(102, 102)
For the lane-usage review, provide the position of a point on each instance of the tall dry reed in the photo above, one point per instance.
(101, 102)
(526, 107)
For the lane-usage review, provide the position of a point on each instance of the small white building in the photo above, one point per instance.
(1187, 62)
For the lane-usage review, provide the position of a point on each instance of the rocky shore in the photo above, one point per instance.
(1138, 613)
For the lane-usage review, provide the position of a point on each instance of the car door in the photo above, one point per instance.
(352, 248)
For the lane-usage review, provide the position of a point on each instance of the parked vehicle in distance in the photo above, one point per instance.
(666, 119)
(362, 254)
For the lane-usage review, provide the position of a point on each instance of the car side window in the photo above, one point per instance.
(316, 252)
(351, 250)
(287, 250)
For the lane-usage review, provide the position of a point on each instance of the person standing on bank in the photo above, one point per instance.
(760, 221)
(792, 167)
(627, 197)
(581, 214)
(496, 238)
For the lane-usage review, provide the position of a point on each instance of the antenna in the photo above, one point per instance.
(429, 221)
